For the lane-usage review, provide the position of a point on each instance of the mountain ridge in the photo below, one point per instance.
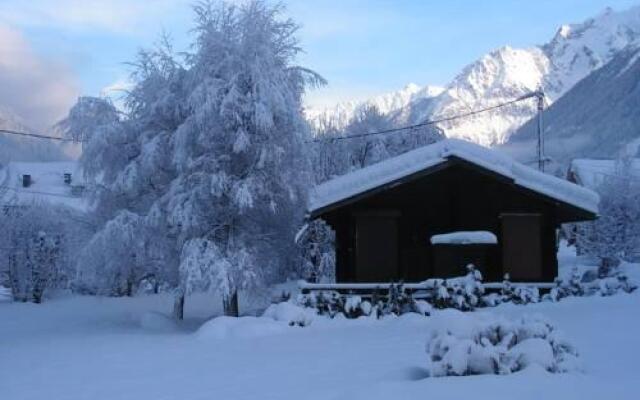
(575, 51)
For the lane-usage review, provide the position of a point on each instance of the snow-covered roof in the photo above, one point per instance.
(592, 173)
(465, 237)
(396, 168)
(47, 183)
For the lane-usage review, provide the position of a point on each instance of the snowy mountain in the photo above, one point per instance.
(388, 103)
(500, 76)
(574, 52)
(597, 118)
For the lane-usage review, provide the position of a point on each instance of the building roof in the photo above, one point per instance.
(47, 184)
(591, 173)
(395, 169)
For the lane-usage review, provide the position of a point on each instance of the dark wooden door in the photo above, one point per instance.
(376, 248)
(521, 246)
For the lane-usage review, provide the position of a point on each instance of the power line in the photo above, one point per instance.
(430, 122)
(35, 135)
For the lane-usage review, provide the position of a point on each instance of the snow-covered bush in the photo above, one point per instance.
(463, 293)
(589, 283)
(519, 294)
(396, 301)
(472, 344)
(291, 313)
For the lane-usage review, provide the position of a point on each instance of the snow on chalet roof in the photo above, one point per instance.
(47, 184)
(592, 173)
(396, 168)
(465, 237)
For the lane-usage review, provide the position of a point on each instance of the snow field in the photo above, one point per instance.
(83, 347)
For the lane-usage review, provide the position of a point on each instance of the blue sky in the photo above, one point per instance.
(362, 47)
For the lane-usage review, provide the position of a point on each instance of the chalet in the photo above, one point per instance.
(429, 212)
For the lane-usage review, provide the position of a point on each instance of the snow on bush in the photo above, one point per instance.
(471, 344)
(5, 294)
(463, 293)
(397, 301)
(292, 314)
(518, 294)
(591, 283)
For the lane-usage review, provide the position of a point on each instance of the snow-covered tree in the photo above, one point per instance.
(240, 154)
(37, 243)
(211, 159)
(88, 115)
(615, 235)
(317, 243)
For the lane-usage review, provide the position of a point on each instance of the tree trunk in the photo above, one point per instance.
(230, 304)
(178, 307)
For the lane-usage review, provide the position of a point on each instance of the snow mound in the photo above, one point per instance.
(465, 237)
(290, 313)
(5, 294)
(463, 344)
(240, 327)
(393, 169)
(157, 322)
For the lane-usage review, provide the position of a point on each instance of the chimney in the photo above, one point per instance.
(26, 180)
(67, 178)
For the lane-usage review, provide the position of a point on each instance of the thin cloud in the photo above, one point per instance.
(117, 16)
(36, 89)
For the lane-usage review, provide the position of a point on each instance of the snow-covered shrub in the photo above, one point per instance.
(517, 294)
(463, 293)
(292, 314)
(471, 344)
(396, 301)
(588, 284)
(327, 303)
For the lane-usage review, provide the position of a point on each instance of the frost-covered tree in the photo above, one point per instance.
(211, 158)
(240, 154)
(365, 149)
(88, 115)
(368, 138)
(615, 235)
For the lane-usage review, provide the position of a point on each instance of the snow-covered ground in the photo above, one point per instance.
(119, 348)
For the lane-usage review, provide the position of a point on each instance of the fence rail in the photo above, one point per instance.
(426, 285)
